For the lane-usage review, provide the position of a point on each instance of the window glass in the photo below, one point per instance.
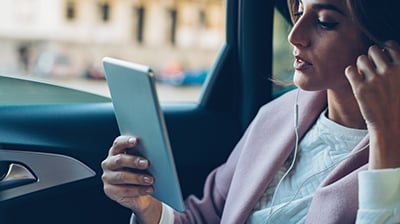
(282, 56)
(63, 41)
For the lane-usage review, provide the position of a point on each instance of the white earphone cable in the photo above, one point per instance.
(296, 128)
(296, 115)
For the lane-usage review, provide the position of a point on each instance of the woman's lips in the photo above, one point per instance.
(301, 64)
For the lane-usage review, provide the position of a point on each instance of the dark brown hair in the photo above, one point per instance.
(293, 6)
(378, 19)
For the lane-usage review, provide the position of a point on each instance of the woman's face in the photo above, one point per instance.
(325, 41)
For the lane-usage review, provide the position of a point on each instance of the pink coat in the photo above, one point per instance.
(232, 190)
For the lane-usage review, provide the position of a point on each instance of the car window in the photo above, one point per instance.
(63, 41)
(282, 56)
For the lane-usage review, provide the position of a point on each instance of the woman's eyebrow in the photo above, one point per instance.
(327, 7)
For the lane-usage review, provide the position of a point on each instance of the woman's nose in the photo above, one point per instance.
(299, 35)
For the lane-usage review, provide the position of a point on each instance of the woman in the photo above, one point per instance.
(345, 168)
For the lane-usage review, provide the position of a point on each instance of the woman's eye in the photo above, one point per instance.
(327, 25)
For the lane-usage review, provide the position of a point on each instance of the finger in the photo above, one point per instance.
(366, 67)
(127, 178)
(122, 161)
(121, 143)
(379, 58)
(393, 51)
(119, 192)
(354, 77)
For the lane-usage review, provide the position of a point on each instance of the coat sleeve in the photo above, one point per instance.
(379, 197)
(209, 209)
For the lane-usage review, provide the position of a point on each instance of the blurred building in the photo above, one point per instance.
(81, 32)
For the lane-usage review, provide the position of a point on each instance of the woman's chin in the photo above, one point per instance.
(305, 84)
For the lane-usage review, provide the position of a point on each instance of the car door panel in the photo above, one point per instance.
(83, 133)
(62, 145)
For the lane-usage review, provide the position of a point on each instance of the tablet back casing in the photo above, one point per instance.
(138, 113)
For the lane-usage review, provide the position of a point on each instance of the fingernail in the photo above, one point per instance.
(142, 163)
(132, 141)
(149, 190)
(147, 180)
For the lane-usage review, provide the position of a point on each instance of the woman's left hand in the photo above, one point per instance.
(375, 81)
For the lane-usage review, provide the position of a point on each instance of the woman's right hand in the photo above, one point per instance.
(126, 182)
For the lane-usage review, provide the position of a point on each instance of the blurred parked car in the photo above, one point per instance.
(56, 65)
(94, 71)
(175, 74)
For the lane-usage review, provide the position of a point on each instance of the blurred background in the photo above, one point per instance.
(63, 41)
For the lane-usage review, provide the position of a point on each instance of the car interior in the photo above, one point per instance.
(53, 146)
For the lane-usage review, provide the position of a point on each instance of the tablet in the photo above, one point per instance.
(138, 113)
